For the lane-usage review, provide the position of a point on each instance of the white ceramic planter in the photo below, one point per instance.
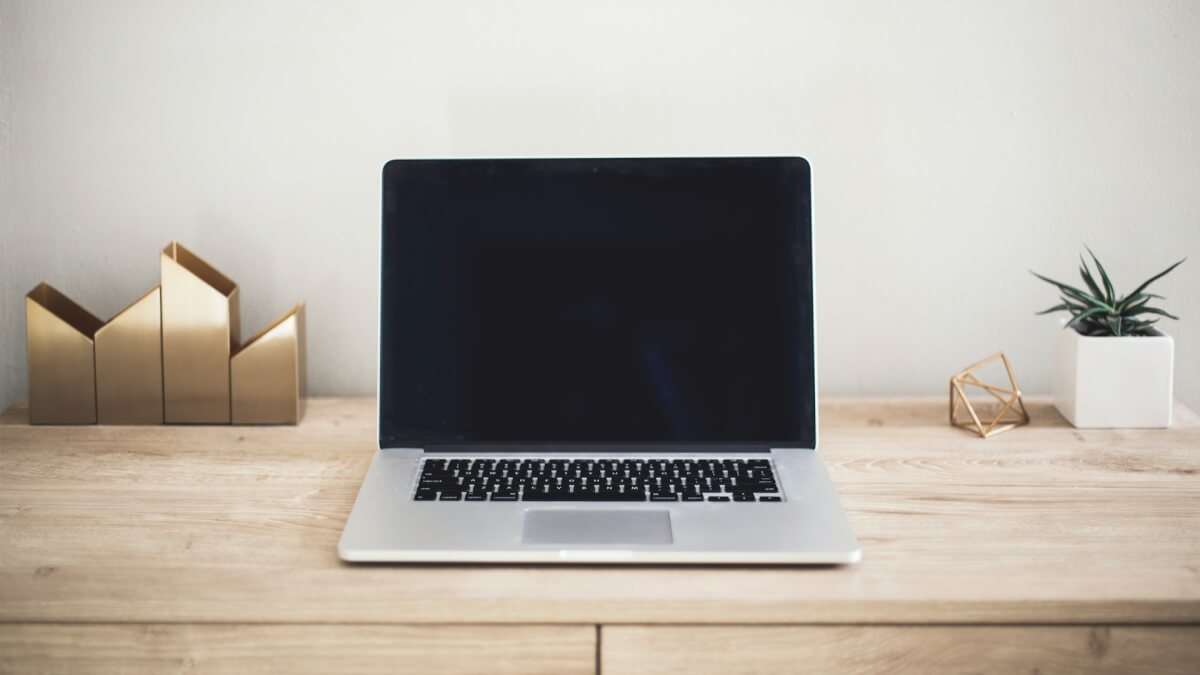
(1113, 382)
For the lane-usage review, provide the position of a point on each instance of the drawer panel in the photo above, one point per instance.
(899, 650)
(297, 648)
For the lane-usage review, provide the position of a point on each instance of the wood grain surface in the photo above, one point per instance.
(899, 650)
(1043, 524)
(297, 649)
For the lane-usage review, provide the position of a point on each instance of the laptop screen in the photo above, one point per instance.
(560, 302)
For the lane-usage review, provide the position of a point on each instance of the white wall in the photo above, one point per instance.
(955, 145)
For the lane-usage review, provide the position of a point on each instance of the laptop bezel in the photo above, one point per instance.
(614, 447)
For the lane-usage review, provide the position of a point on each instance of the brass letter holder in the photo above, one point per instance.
(173, 356)
(129, 382)
(62, 360)
(268, 373)
(199, 332)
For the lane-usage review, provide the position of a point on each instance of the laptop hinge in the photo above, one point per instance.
(606, 448)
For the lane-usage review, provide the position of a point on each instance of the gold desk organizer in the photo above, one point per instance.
(129, 367)
(173, 356)
(62, 359)
(1009, 408)
(267, 373)
(200, 329)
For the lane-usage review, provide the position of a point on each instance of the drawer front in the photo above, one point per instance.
(296, 649)
(899, 650)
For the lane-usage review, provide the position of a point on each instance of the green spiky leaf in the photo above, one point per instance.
(1056, 308)
(1075, 293)
(1136, 298)
(1156, 277)
(1072, 306)
(1088, 279)
(1152, 310)
(1109, 295)
(1080, 317)
(1129, 310)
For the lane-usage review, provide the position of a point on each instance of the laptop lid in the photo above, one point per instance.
(659, 304)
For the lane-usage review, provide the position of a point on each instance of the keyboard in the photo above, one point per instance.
(597, 480)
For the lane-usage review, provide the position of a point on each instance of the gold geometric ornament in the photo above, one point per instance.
(996, 409)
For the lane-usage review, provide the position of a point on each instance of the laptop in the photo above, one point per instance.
(597, 361)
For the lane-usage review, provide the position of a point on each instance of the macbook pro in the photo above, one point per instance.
(597, 360)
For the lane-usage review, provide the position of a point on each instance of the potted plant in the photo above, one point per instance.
(1112, 366)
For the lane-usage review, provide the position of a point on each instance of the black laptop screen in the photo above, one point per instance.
(584, 301)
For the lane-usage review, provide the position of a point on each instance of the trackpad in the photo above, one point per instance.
(563, 526)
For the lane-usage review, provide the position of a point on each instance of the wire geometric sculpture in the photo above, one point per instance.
(1011, 413)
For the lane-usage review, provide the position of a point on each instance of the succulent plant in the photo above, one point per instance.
(1098, 312)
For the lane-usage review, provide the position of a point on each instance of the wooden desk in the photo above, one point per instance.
(212, 549)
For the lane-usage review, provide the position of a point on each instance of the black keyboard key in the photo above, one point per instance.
(661, 497)
(504, 497)
(567, 496)
(425, 495)
(451, 496)
(770, 499)
(743, 497)
(632, 496)
(718, 498)
(628, 496)
(693, 498)
(476, 497)
(551, 496)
